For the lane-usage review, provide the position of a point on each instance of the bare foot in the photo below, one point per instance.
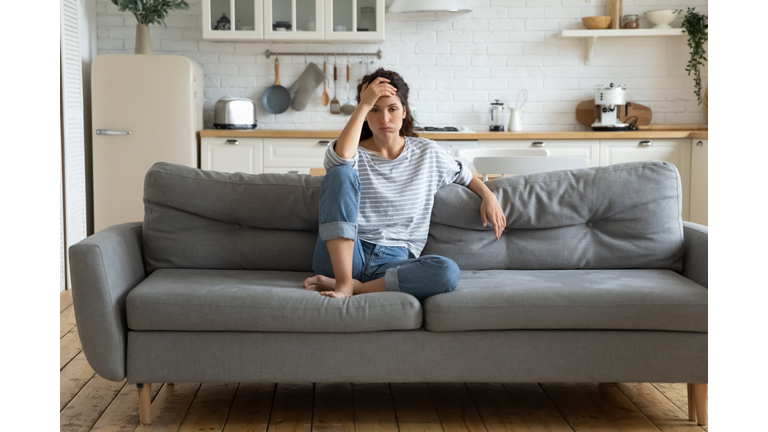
(319, 283)
(339, 292)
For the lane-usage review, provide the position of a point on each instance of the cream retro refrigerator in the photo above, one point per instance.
(146, 109)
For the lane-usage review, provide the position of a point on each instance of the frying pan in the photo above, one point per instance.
(276, 98)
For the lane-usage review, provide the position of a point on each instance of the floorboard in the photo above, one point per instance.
(455, 407)
(374, 408)
(538, 411)
(496, 408)
(65, 300)
(664, 414)
(210, 408)
(168, 411)
(72, 379)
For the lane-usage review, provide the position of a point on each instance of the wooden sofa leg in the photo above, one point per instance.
(691, 404)
(145, 393)
(169, 389)
(700, 401)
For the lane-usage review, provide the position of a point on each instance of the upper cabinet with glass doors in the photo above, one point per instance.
(294, 20)
(233, 19)
(354, 20)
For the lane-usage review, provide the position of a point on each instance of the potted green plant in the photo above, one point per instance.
(148, 12)
(695, 25)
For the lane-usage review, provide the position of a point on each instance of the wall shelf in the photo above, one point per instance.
(590, 36)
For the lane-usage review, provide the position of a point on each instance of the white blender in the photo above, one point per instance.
(607, 101)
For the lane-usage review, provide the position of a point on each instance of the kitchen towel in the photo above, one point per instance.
(305, 86)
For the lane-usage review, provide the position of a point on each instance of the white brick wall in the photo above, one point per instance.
(455, 64)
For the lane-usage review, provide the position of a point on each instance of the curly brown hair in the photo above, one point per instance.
(402, 92)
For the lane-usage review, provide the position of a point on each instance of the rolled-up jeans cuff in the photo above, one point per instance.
(332, 230)
(390, 279)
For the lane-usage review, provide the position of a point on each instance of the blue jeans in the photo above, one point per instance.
(339, 205)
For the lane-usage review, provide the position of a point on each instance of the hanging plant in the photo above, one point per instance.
(150, 11)
(695, 25)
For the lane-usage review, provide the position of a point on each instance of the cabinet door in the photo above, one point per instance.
(354, 20)
(304, 17)
(290, 154)
(699, 182)
(231, 155)
(233, 19)
(677, 152)
(588, 150)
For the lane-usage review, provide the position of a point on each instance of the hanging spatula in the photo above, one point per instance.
(335, 105)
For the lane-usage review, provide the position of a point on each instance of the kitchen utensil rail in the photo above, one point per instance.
(271, 53)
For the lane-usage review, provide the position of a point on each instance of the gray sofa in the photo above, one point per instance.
(595, 279)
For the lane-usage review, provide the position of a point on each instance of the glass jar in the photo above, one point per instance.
(631, 21)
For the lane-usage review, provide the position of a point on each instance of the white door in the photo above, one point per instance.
(74, 223)
(676, 151)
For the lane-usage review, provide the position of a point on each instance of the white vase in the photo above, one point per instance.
(143, 43)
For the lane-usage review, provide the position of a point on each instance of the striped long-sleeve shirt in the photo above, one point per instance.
(397, 195)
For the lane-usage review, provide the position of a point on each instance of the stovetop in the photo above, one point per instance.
(440, 129)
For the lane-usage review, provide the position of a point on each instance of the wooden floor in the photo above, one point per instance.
(91, 403)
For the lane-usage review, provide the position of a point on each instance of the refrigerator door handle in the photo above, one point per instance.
(109, 132)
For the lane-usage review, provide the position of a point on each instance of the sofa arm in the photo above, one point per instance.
(104, 268)
(695, 245)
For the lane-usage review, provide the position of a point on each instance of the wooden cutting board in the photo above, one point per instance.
(585, 113)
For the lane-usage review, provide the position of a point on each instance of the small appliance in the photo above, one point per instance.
(607, 105)
(497, 116)
(234, 113)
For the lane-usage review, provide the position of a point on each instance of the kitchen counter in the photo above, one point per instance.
(274, 133)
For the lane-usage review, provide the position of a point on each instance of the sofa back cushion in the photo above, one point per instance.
(618, 216)
(613, 217)
(215, 220)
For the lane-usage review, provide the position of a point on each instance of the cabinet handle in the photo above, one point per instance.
(293, 172)
(646, 143)
(538, 144)
(699, 143)
(323, 143)
(109, 132)
(233, 142)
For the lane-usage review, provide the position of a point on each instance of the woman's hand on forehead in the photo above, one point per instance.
(371, 92)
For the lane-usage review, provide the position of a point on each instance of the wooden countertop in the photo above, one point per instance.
(581, 135)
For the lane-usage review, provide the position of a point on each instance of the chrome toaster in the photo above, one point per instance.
(234, 113)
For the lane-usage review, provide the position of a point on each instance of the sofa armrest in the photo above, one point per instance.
(104, 268)
(696, 244)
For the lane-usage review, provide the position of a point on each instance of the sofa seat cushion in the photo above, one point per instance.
(569, 299)
(253, 300)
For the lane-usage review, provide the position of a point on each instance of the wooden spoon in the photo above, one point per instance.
(324, 99)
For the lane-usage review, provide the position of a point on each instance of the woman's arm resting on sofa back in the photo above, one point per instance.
(105, 267)
(696, 245)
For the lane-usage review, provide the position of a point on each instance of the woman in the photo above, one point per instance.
(376, 201)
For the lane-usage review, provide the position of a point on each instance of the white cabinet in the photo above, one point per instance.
(232, 155)
(699, 182)
(589, 150)
(676, 151)
(354, 20)
(291, 154)
(294, 20)
(263, 155)
(233, 19)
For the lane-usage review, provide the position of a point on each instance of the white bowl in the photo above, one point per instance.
(662, 17)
